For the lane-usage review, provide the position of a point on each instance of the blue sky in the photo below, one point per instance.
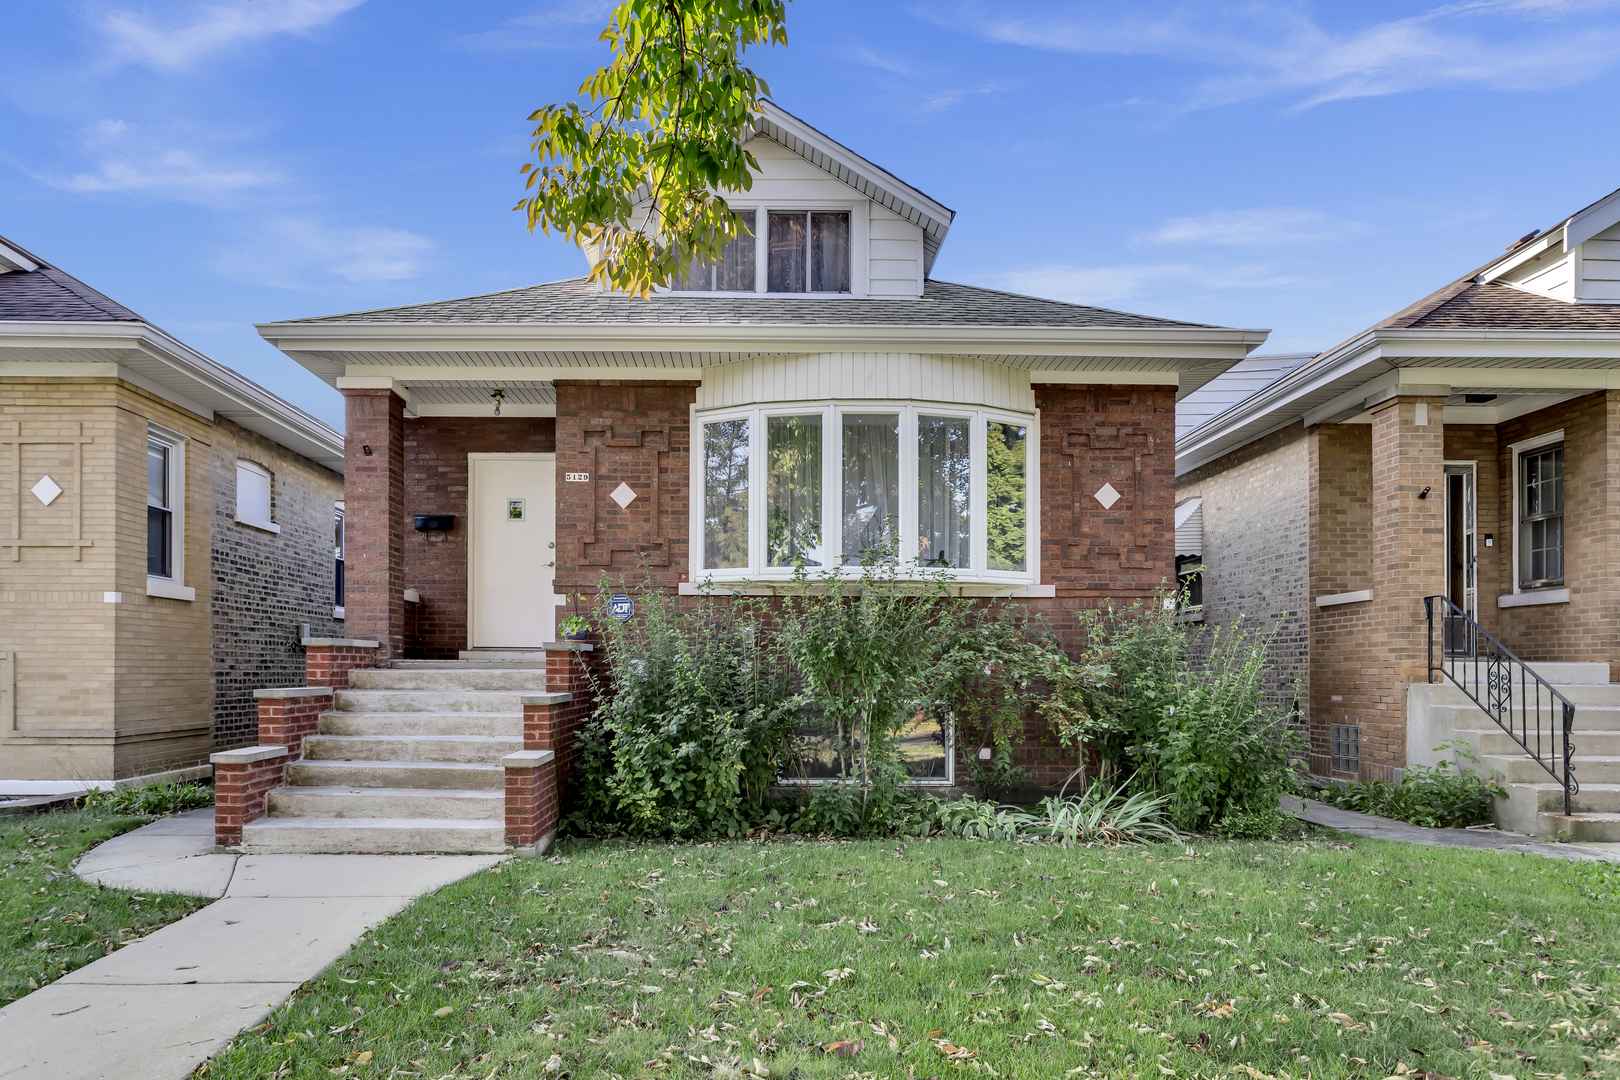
(1308, 168)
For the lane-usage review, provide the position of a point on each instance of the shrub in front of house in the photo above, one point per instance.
(1449, 795)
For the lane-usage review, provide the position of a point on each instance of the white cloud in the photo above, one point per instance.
(305, 253)
(556, 27)
(1279, 49)
(1105, 286)
(946, 98)
(128, 159)
(215, 28)
(1255, 228)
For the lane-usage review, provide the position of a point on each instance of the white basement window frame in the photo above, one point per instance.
(255, 496)
(166, 514)
(733, 560)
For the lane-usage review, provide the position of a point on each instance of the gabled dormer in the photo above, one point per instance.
(1576, 261)
(824, 221)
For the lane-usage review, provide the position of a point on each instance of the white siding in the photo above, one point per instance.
(858, 376)
(896, 253)
(1600, 266)
(1550, 274)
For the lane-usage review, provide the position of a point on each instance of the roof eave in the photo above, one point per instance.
(197, 376)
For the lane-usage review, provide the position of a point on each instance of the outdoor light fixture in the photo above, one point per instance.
(498, 396)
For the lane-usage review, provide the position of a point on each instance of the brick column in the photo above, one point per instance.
(1407, 545)
(243, 779)
(531, 801)
(568, 676)
(288, 715)
(374, 517)
(328, 661)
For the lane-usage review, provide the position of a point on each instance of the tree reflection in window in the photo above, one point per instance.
(1007, 507)
(793, 501)
(725, 494)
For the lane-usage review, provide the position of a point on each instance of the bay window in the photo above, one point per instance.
(946, 488)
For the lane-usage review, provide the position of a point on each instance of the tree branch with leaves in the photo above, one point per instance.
(632, 169)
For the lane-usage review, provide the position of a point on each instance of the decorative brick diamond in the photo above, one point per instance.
(46, 490)
(1107, 496)
(623, 495)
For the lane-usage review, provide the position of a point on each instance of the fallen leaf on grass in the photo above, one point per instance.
(446, 1011)
(955, 1053)
(846, 1047)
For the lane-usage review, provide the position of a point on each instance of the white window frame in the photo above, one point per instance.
(268, 524)
(340, 555)
(832, 489)
(1516, 451)
(173, 587)
(860, 228)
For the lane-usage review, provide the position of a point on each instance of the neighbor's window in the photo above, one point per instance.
(1541, 517)
(337, 556)
(253, 488)
(159, 511)
(838, 484)
(1190, 581)
(809, 252)
(725, 491)
(735, 270)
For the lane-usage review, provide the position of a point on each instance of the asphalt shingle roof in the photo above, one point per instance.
(49, 295)
(1470, 306)
(578, 301)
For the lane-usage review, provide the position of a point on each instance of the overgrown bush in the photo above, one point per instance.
(691, 728)
(1444, 796)
(172, 798)
(1207, 737)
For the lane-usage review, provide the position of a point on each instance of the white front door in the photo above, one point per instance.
(512, 523)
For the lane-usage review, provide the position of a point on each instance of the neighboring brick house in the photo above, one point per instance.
(509, 450)
(1468, 447)
(165, 527)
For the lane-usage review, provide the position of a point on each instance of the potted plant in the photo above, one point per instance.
(575, 627)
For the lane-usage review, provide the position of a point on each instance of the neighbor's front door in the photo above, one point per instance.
(1461, 552)
(511, 525)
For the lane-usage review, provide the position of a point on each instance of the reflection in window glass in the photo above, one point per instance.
(925, 746)
(725, 495)
(735, 270)
(159, 515)
(1541, 518)
(808, 252)
(871, 471)
(943, 462)
(1006, 509)
(826, 750)
(793, 502)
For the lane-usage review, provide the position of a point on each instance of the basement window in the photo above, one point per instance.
(1346, 747)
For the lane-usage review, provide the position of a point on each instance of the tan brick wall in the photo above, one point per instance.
(107, 689)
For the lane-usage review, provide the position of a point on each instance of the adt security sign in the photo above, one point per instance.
(621, 607)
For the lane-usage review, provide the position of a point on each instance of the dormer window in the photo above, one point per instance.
(780, 251)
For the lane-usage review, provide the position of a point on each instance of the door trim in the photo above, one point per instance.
(472, 496)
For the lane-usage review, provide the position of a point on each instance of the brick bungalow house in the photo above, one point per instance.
(1466, 448)
(508, 450)
(166, 527)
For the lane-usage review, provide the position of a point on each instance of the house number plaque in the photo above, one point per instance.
(577, 477)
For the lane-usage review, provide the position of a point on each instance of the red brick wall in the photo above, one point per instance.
(373, 491)
(289, 721)
(1586, 628)
(240, 792)
(436, 449)
(329, 665)
(633, 433)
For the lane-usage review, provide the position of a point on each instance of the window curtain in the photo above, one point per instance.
(829, 252)
(725, 495)
(871, 470)
(1006, 509)
(735, 270)
(786, 270)
(793, 506)
(943, 464)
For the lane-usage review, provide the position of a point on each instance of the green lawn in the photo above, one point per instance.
(946, 957)
(51, 921)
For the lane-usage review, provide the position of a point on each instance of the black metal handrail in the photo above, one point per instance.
(1523, 704)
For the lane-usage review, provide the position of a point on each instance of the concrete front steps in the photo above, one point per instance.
(407, 761)
(1535, 802)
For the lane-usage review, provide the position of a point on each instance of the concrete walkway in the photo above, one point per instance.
(1320, 813)
(158, 1008)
